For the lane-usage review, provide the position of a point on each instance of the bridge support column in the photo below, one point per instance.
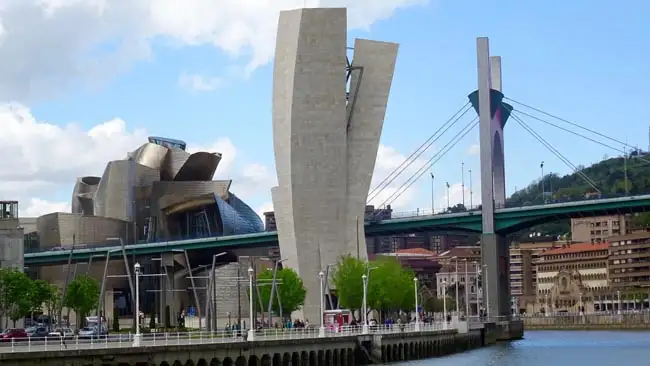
(496, 274)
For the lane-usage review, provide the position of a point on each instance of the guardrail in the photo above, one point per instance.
(456, 210)
(34, 344)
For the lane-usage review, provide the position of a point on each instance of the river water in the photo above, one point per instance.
(557, 348)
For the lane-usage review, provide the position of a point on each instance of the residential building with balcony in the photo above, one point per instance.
(629, 260)
(598, 229)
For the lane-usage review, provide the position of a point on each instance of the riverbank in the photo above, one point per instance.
(629, 321)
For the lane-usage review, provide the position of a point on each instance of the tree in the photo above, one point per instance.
(82, 296)
(390, 286)
(346, 278)
(16, 289)
(290, 287)
(53, 301)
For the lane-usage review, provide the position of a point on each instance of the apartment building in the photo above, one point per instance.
(629, 260)
(572, 275)
(598, 229)
(523, 268)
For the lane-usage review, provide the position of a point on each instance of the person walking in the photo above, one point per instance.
(62, 333)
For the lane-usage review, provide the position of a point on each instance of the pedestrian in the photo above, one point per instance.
(63, 338)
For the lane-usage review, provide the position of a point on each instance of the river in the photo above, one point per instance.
(557, 348)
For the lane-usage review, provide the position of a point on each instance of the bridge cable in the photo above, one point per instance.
(573, 124)
(555, 152)
(431, 162)
(419, 151)
(583, 136)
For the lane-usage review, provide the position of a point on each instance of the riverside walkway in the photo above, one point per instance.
(205, 337)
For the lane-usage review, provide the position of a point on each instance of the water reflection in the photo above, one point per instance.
(557, 348)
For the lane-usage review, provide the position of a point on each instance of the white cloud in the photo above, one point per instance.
(41, 159)
(473, 150)
(456, 196)
(198, 82)
(51, 45)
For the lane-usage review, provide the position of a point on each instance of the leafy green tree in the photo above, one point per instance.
(82, 296)
(53, 301)
(346, 278)
(390, 286)
(290, 287)
(16, 290)
(41, 292)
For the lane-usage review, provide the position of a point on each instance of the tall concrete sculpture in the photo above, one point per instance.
(493, 115)
(325, 143)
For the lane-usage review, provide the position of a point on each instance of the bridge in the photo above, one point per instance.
(508, 220)
(341, 144)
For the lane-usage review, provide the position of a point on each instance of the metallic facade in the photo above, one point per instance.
(325, 147)
(83, 194)
(156, 193)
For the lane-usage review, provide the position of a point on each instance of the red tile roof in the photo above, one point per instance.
(577, 248)
(415, 251)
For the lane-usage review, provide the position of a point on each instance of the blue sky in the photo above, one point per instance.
(581, 60)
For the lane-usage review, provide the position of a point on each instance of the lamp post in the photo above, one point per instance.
(444, 302)
(321, 329)
(618, 295)
(487, 291)
(251, 326)
(448, 204)
(462, 180)
(466, 290)
(471, 192)
(417, 312)
(541, 166)
(478, 272)
(364, 327)
(136, 337)
(580, 304)
(433, 208)
(456, 285)
(546, 305)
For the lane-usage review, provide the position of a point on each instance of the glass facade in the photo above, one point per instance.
(167, 142)
(237, 217)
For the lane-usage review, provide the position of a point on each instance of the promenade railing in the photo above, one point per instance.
(33, 344)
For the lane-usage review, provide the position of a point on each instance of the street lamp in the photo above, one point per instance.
(478, 272)
(321, 329)
(417, 312)
(580, 304)
(487, 291)
(364, 327)
(433, 207)
(466, 290)
(618, 295)
(444, 302)
(448, 204)
(456, 284)
(546, 305)
(136, 337)
(251, 327)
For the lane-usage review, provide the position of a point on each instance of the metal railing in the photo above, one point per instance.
(455, 210)
(35, 344)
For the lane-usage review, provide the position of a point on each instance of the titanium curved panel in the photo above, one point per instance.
(62, 229)
(85, 186)
(233, 221)
(150, 155)
(115, 195)
(199, 166)
(166, 193)
(174, 162)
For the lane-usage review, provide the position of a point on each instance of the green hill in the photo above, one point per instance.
(608, 177)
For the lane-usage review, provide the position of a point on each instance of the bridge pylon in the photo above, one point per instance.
(487, 100)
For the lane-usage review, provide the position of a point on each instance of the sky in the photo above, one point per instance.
(83, 82)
